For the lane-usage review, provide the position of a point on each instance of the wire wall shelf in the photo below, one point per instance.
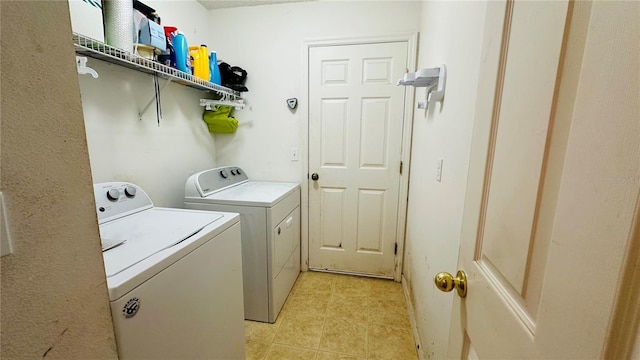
(101, 51)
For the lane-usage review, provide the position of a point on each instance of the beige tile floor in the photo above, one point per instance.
(332, 316)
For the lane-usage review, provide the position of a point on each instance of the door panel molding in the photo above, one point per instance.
(412, 52)
(511, 297)
(622, 342)
(588, 302)
(371, 124)
(490, 271)
(493, 127)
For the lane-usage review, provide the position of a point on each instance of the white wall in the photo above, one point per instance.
(451, 34)
(189, 16)
(264, 40)
(123, 148)
(268, 45)
(267, 41)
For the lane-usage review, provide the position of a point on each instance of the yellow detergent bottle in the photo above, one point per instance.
(200, 56)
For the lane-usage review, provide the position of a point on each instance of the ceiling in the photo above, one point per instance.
(221, 4)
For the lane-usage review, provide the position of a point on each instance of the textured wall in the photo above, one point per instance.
(267, 41)
(451, 33)
(124, 148)
(54, 301)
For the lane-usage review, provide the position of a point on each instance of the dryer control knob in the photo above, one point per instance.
(113, 194)
(223, 173)
(238, 172)
(130, 191)
(233, 172)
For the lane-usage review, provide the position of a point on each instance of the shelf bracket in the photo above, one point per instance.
(146, 107)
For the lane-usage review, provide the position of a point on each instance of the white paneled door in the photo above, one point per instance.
(546, 222)
(355, 142)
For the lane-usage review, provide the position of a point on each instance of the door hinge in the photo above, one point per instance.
(395, 249)
(401, 164)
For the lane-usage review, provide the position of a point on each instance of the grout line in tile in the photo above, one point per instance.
(366, 340)
(340, 353)
(333, 293)
(324, 323)
(267, 352)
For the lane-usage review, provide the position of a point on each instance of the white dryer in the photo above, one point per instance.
(174, 277)
(270, 220)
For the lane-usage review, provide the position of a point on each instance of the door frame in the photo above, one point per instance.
(412, 53)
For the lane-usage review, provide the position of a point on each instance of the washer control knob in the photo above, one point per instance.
(113, 194)
(224, 174)
(238, 172)
(233, 172)
(130, 191)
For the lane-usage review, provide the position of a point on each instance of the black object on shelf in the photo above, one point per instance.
(233, 77)
(147, 10)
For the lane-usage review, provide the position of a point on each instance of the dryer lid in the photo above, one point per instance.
(149, 232)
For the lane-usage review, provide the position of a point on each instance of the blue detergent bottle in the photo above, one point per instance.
(214, 70)
(181, 49)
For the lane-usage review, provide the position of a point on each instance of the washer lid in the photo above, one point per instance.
(251, 193)
(149, 232)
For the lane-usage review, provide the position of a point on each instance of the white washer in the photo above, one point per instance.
(174, 277)
(270, 219)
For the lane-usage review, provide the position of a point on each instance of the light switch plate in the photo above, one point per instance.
(294, 154)
(439, 170)
(5, 239)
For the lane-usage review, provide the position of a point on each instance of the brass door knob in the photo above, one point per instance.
(446, 282)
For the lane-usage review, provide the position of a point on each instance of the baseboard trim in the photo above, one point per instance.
(412, 318)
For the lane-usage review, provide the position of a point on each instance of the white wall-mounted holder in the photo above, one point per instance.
(101, 51)
(236, 104)
(434, 79)
(81, 64)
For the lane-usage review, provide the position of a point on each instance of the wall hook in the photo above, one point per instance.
(81, 65)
